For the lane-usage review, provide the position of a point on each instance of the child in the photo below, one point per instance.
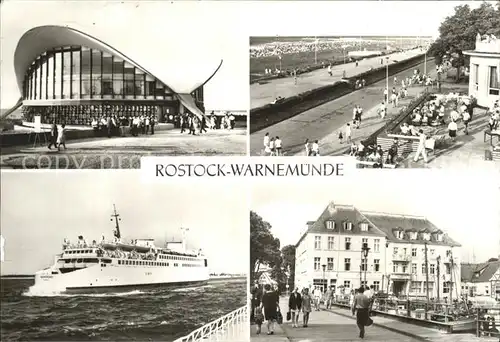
(259, 318)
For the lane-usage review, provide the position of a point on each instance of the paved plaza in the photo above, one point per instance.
(338, 324)
(265, 93)
(125, 152)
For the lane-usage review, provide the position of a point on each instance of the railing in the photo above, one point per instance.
(486, 320)
(231, 327)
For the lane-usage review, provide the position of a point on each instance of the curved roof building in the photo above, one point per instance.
(72, 77)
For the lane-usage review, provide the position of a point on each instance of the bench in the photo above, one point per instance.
(362, 163)
(409, 144)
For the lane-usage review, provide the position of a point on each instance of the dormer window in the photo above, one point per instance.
(426, 236)
(399, 234)
(363, 226)
(413, 235)
(347, 226)
(330, 225)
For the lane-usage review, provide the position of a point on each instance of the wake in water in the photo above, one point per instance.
(30, 293)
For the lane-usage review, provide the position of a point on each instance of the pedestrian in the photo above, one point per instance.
(466, 118)
(153, 122)
(61, 137)
(278, 146)
(270, 304)
(421, 147)
(341, 137)
(306, 307)
(307, 146)
(328, 296)
(360, 307)
(294, 305)
(393, 151)
(452, 130)
(258, 317)
(315, 149)
(317, 294)
(348, 133)
(53, 135)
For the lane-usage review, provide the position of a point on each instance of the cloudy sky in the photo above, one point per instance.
(38, 212)
(195, 33)
(466, 208)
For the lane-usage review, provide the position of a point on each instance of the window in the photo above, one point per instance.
(364, 283)
(347, 284)
(317, 262)
(376, 285)
(376, 264)
(416, 286)
(433, 251)
(413, 268)
(399, 234)
(347, 244)
(395, 251)
(405, 269)
(432, 269)
(317, 242)
(446, 287)
(494, 88)
(404, 251)
(413, 252)
(395, 268)
(448, 268)
(423, 268)
(376, 245)
(330, 225)
(347, 264)
(331, 242)
(364, 242)
(329, 264)
(364, 265)
(347, 225)
(475, 76)
(363, 226)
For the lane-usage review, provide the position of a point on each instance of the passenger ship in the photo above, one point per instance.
(117, 266)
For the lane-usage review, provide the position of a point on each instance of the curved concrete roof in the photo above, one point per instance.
(40, 39)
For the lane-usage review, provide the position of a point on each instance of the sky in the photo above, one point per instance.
(466, 209)
(196, 33)
(38, 212)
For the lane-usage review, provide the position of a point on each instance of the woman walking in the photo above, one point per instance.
(270, 302)
(306, 306)
(294, 305)
(61, 137)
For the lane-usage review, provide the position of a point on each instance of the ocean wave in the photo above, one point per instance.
(31, 293)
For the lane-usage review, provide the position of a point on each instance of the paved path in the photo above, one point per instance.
(339, 325)
(323, 122)
(125, 152)
(262, 94)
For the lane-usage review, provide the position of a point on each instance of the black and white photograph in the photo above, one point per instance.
(104, 257)
(404, 84)
(98, 84)
(365, 260)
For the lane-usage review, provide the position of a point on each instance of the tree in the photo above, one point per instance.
(264, 247)
(288, 255)
(458, 32)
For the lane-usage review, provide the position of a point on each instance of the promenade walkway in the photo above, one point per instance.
(262, 94)
(324, 122)
(338, 324)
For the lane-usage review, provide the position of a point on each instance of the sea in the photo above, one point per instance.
(149, 315)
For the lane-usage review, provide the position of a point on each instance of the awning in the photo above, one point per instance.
(188, 101)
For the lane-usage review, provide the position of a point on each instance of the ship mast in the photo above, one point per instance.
(117, 218)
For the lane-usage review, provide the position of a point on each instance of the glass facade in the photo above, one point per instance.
(79, 84)
(81, 73)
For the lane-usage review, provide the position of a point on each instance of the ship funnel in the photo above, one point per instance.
(184, 246)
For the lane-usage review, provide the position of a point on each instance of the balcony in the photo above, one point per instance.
(401, 257)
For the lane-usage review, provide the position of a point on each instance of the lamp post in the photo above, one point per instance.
(438, 260)
(324, 267)
(364, 252)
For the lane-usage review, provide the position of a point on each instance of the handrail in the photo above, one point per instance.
(215, 330)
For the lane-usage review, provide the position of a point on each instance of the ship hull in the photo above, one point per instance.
(120, 278)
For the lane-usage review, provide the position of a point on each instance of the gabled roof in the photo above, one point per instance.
(388, 222)
(479, 273)
(339, 214)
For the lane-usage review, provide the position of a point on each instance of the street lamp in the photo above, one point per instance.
(364, 252)
(438, 260)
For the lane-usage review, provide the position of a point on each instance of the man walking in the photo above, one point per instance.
(360, 306)
(421, 147)
(53, 135)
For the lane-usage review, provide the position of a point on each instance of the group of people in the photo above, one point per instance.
(374, 153)
(494, 120)
(113, 125)
(265, 306)
(192, 123)
(57, 136)
(273, 146)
